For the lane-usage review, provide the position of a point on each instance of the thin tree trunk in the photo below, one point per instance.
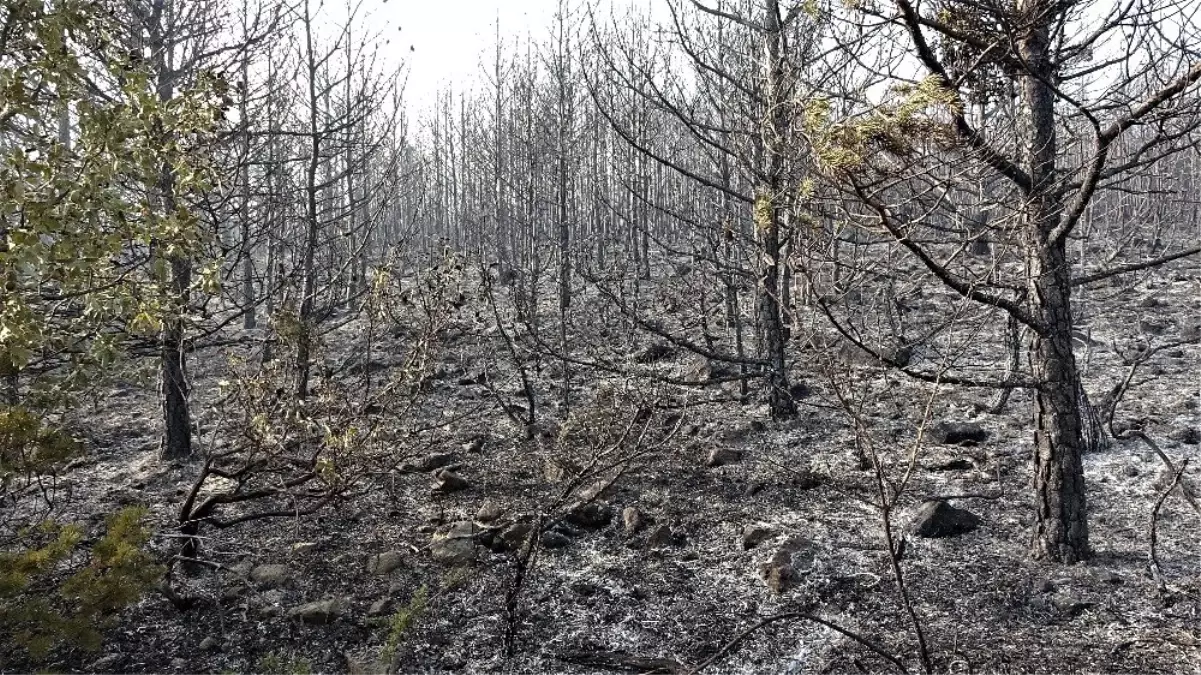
(312, 221)
(768, 220)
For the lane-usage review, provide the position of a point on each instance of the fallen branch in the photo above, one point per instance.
(1155, 571)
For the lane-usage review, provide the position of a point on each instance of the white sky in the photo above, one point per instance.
(450, 38)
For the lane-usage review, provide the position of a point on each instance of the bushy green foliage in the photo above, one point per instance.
(78, 269)
(55, 589)
(27, 447)
(47, 601)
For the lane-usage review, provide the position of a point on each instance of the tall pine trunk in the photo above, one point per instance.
(1061, 525)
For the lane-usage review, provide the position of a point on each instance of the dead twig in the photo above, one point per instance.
(1155, 570)
(741, 637)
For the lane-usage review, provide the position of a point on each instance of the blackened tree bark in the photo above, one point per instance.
(1036, 49)
(768, 206)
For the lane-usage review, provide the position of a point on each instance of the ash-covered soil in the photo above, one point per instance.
(660, 566)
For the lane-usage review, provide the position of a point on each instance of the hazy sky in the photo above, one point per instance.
(449, 37)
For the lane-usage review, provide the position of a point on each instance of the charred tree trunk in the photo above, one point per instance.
(768, 217)
(1061, 524)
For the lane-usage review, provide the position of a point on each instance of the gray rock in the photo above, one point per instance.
(385, 563)
(631, 520)
(937, 519)
(446, 480)
(303, 547)
(553, 539)
(1070, 605)
(593, 515)
(756, 534)
(430, 462)
(722, 456)
(956, 464)
(107, 663)
(1188, 436)
(269, 576)
(489, 511)
(788, 564)
(959, 433)
(437, 460)
(381, 607)
(660, 537)
(778, 572)
(512, 537)
(209, 644)
(456, 547)
(321, 612)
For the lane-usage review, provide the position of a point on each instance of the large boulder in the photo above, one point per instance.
(937, 519)
(959, 433)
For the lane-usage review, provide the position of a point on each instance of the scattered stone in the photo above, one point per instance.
(381, 607)
(778, 573)
(303, 547)
(269, 576)
(631, 520)
(430, 462)
(385, 563)
(209, 644)
(512, 537)
(1151, 327)
(1188, 436)
(446, 480)
(457, 546)
(320, 612)
(1071, 606)
(592, 515)
(107, 663)
(938, 519)
(957, 464)
(660, 537)
(553, 539)
(722, 456)
(756, 534)
(959, 433)
(784, 568)
(489, 511)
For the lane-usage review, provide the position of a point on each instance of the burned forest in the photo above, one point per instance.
(684, 336)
